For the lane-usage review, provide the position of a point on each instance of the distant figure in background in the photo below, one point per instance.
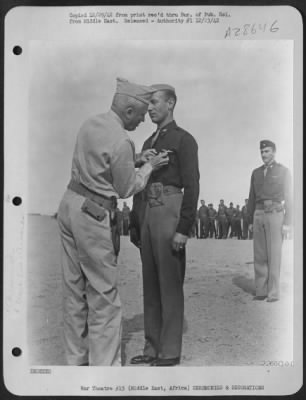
(203, 216)
(269, 207)
(119, 220)
(222, 220)
(236, 222)
(245, 221)
(196, 226)
(212, 213)
(126, 218)
(230, 212)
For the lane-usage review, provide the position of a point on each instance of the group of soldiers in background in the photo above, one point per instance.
(210, 223)
(123, 219)
(222, 223)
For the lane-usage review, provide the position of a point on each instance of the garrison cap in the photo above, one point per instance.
(267, 143)
(162, 86)
(139, 92)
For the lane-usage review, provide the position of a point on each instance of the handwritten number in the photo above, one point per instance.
(245, 29)
(227, 33)
(274, 28)
(253, 29)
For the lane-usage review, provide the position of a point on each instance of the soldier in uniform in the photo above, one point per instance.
(222, 220)
(103, 170)
(170, 200)
(119, 221)
(195, 229)
(203, 216)
(126, 218)
(230, 212)
(212, 213)
(269, 207)
(245, 221)
(196, 225)
(236, 222)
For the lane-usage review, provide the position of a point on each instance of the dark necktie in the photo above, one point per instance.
(154, 138)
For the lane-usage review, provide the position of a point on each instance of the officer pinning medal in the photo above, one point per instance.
(103, 170)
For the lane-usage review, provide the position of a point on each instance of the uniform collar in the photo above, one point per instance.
(270, 165)
(115, 117)
(166, 128)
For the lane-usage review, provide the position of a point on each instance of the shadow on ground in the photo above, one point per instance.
(244, 283)
(129, 327)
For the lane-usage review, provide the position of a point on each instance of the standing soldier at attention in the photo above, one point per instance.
(245, 221)
(211, 220)
(170, 198)
(230, 212)
(203, 216)
(222, 220)
(119, 220)
(195, 229)
(103, 170)
(236, 219)
(125, 218)
(269, 207)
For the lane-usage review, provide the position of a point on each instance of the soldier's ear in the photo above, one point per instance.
(171, 103)
(129, 112)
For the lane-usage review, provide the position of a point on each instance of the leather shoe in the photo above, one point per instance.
(259, 297)
(271, 300)
(142, 359)
(165, 362)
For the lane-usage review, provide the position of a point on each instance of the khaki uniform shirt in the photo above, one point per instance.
(104, 158)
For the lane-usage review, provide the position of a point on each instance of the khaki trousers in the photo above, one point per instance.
(267, 228)
(163, 278)
(92, 308)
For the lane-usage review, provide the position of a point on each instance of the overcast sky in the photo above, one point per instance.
(230, 94)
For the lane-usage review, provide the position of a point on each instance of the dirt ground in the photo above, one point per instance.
(223, 324)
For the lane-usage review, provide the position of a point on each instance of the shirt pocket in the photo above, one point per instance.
(258, 183)
(275, 183)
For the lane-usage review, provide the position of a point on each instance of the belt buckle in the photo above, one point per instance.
(154, 194)
(267, 205)
(155, 190)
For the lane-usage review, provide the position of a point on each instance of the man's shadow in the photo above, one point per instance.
(244, 283)
(131, 326)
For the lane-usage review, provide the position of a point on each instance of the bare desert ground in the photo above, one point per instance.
(223, 324)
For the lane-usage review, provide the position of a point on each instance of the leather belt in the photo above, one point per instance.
(272, 207)
(168, 189)
(79, 188)
(158, 187)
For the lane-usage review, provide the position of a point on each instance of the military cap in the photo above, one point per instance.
(139, 92)
(163, 86)
(267, 143)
